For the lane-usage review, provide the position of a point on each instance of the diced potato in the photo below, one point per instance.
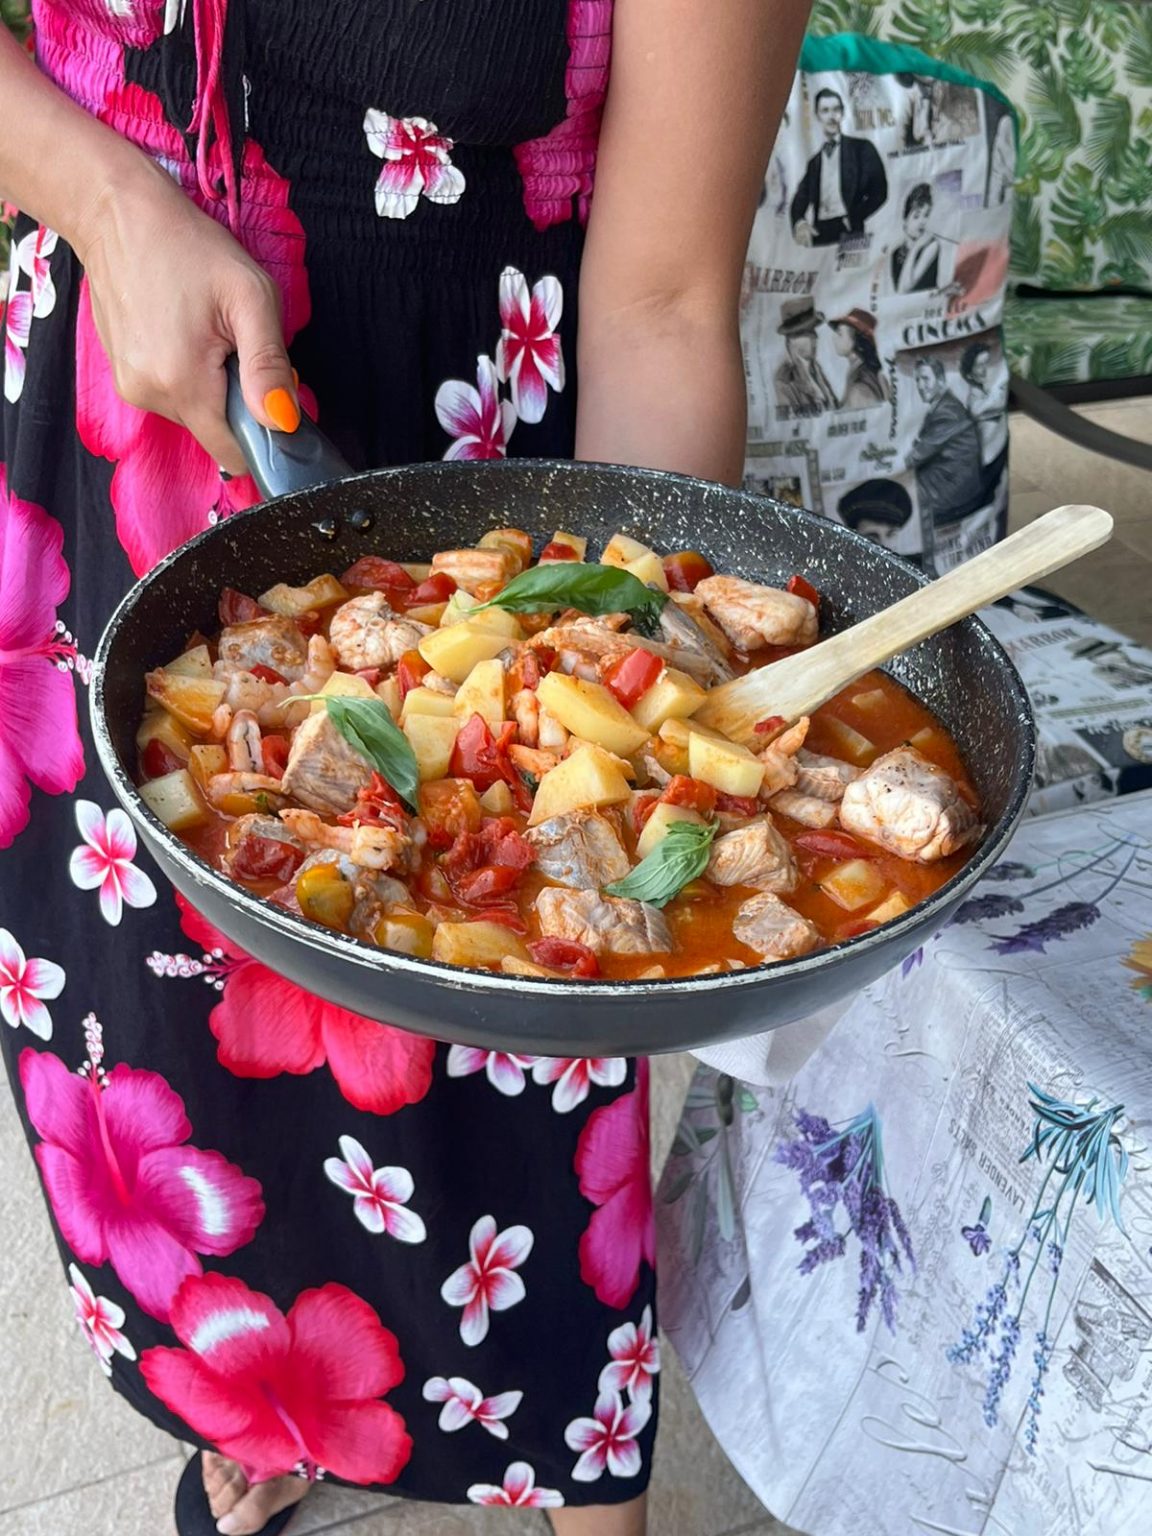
(161, 726)
(515, 541)
(431, 738)
(427, 701)
(589, 777)
(849, 744)
(932, 744)
(430, 614)
(624, 764)
(204, 762)
(679, 732)
(870, 702)
(456, 650)
(388, 691)
(621, 550)
(192, 700)
(194, 663)
(853, 885)
(591, 711)
(321, 592)
(650, 570)
(482, 693)
(344, 685)
(496, 620)
(653, 973)
(511, 965)
(175, 799)
(673, 696)
(497, 800)
(419, 571)
(727, 767)
(895, 906)
(572, 540)
(656, 827)
(672, 756)
(476, 944)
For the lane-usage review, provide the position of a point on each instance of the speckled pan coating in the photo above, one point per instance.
(407, 514)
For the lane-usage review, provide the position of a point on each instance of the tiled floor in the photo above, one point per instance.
(75, 1461)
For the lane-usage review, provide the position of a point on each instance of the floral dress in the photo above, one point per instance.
(313, 1242)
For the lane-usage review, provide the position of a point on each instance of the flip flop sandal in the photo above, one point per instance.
(194, 1516)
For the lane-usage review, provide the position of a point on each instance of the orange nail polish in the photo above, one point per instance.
(296, 378)
(283, 410)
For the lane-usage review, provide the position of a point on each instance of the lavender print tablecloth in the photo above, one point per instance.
(913, 1288)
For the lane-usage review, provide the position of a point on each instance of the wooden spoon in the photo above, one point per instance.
(798, 684)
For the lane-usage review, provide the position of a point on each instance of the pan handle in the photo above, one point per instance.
(281, 461)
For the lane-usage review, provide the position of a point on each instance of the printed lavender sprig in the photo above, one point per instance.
(845, 1169)
(1070, 917)
(976, 1236)
(1085, 1157)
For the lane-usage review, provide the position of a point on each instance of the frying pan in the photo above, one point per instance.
(407, 514)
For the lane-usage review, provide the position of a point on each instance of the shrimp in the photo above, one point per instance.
(369, 847)
(242, 782)
(552, 734)
(365, 632)
(244, 752)
(286, 704)
(780, 770)
(526, 712)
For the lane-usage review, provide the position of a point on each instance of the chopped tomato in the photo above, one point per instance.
(377, 805)
(372, 574)
(642, 808)
(266, 858)
(371, 675)
(479, 886)
(801, 588)
(834, 845)
(267, 674)
(565, 955)
(558, 551)
(447, 808)
(632, 676)
(308, 623)
(507, 917)
(686, 569)
(411, 671)
(525, 672)
(770, 727)
(437, 588)
(157, 759)
(274, 751)
(483, 758)
(432, 884)
(738, 805)
(236, 608)
(692, 793)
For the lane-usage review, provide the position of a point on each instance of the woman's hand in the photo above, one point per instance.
(173, 296)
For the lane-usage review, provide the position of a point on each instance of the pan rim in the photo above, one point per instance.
(470, 979)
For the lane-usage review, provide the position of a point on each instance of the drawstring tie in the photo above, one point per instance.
(211, 122)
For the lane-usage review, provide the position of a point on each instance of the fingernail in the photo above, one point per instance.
(283, 410)
(227, 1525)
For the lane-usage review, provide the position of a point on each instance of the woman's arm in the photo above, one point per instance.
(695, 99)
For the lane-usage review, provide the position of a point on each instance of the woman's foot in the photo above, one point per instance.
(240, 1509)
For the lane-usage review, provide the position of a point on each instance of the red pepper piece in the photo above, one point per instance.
(565, 955)
(801, 588)
(558, 551)
(632, 676)
(686, 569)
(738, 805)
(834, 845)
(437, 588)
(267, 674)
(274, 751)
(411, 670)
(156, 759)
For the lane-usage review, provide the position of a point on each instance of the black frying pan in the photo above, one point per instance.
(406, 514)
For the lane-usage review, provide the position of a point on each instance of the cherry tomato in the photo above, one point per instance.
(479, 886)
(447, 808)
(482, 758)
(801, 588)
(437, 588)
(565, 955)
(834, 845)
(686, 569)
(377, 805)
(236, 608)
(267, 674)
(642, 808)
(372, 574)
(507, 917)
(692, 793)
(157, 759)
(411, 670)
(265, 858)
(632, 676)
(274, 751)
(738, 805)
(558, 551)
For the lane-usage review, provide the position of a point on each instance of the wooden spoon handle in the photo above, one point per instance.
(800, 683)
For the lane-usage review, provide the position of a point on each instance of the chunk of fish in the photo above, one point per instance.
(689, 642)
(324, 772)
(808, 810)
(473, 568)
(276, 704)
(824, 778)
(771, 928)
(366, 632)
(581, 848)
(606, 924)
(753, 616)
(586, 648)
(221, 785)
(275, 642)
(754, 855)
(909, 806)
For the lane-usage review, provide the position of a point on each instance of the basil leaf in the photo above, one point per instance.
(594, 589)
(680, 856)
(368, 727)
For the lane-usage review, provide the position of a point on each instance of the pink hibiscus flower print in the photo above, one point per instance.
(464, 1404)
(612, 1166)
(104, 861)
(124, 1187)
(24, 987)
(40, 742)
(574, 1076)
(635, 1352)
(101, 1321)
(528, 354)
(505, 1073)
(281, 1394)
(380, 1195)
(417, 163)
(519, 1490)
(607, 1441)
(265, 1025)
(33, 256)
(479, 422)
(488, 1281)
